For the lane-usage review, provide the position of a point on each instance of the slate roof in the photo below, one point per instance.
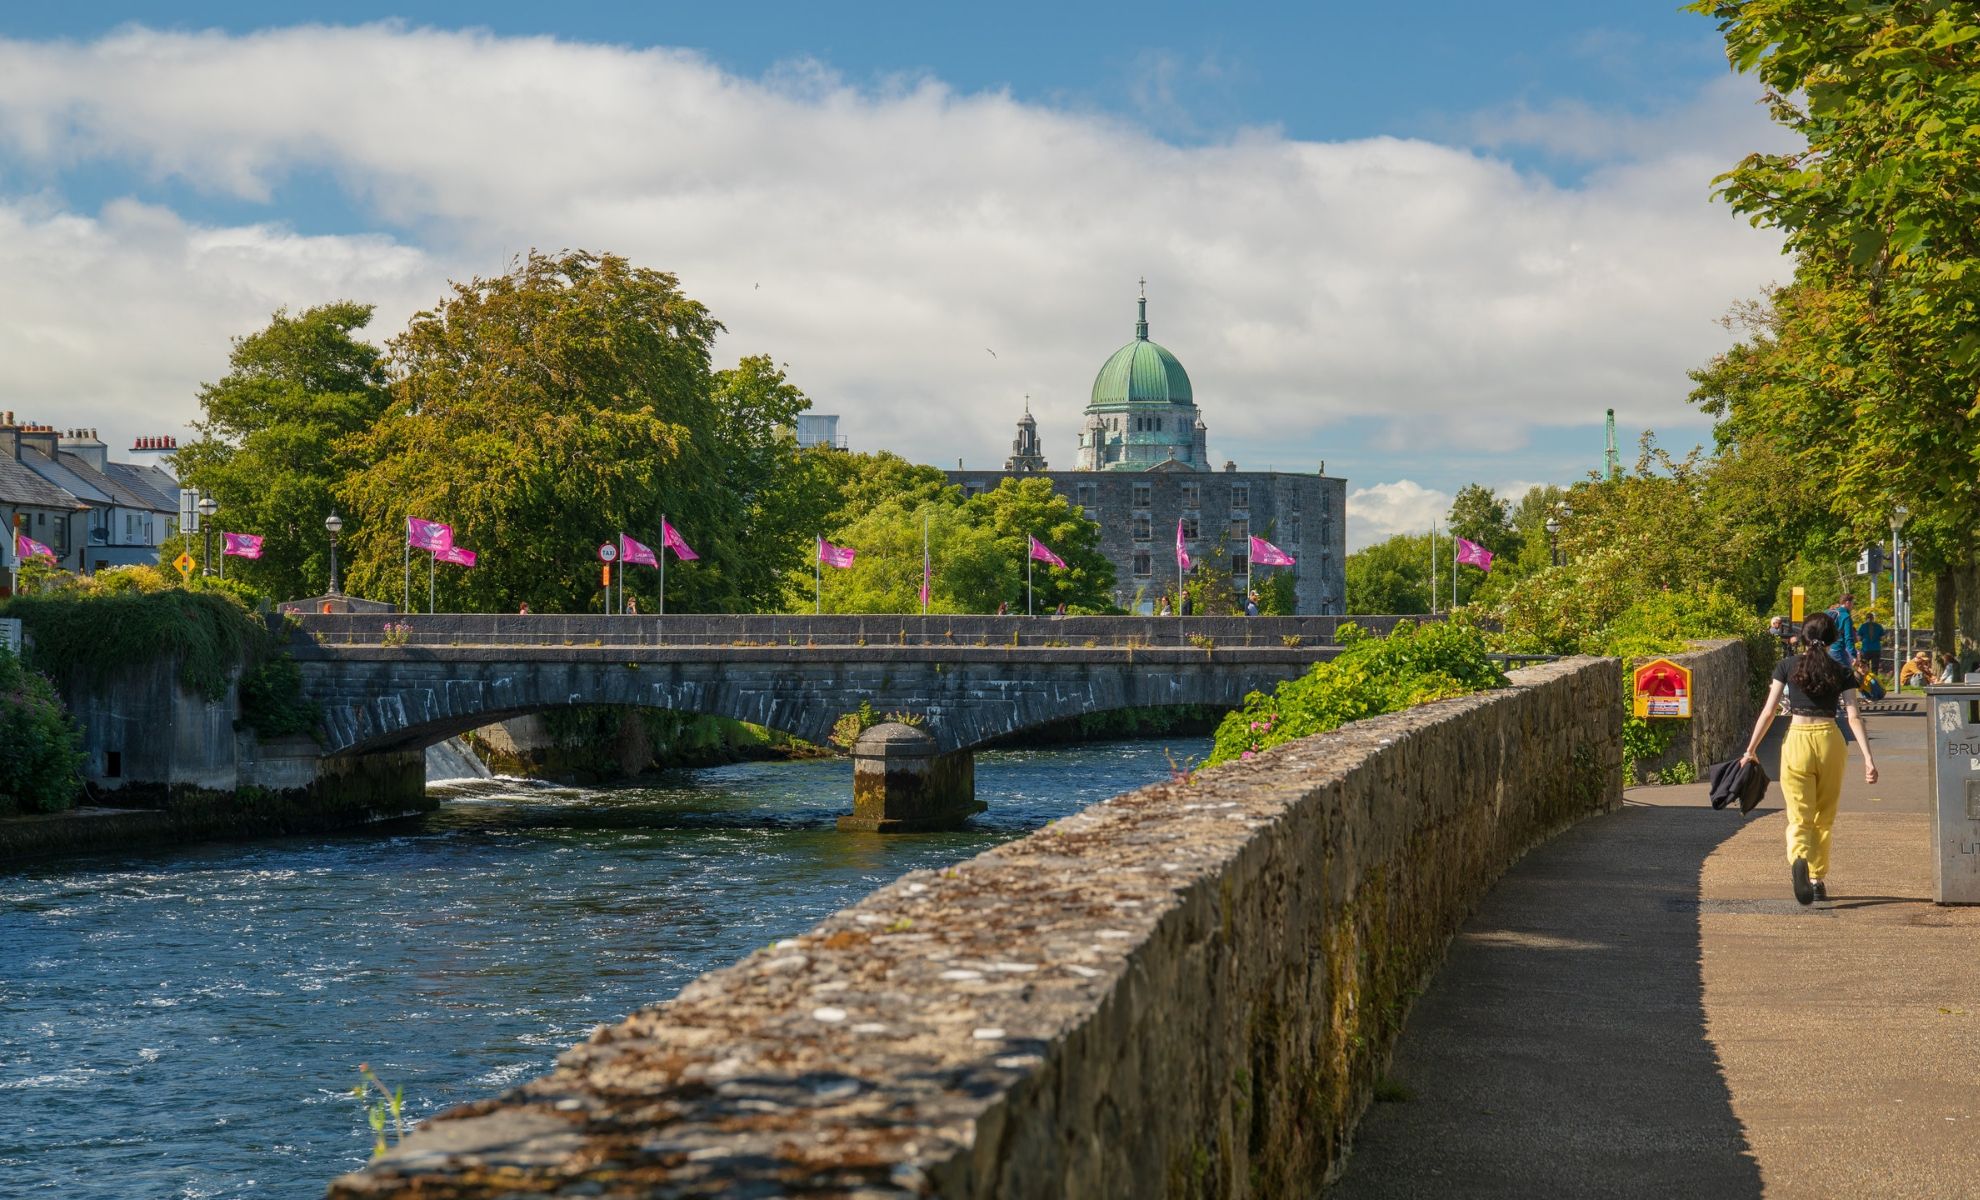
(146, 481)
(21, 487)
(77, 476)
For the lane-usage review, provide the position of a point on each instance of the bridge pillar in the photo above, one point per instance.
(902, 785)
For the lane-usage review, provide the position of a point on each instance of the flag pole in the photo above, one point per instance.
(818, 573)
(406, 606)
(1027, 582)
(1454, 570)
(1433, 568)
(924, 562)
(663, 564)
(432, 556)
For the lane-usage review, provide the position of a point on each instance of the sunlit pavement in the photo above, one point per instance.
(1640, 1008)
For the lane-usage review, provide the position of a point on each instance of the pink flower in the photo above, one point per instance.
(1249, 754)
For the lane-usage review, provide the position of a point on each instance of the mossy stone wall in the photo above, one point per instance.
(1188, 990)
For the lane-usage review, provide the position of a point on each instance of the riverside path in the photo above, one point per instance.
(1640, 1008)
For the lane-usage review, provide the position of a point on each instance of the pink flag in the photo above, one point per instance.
(1265, 554)
(1182, 550)
(459, 555)
(27, 547)
(1473, 553)
(1039, 552)
(670, 539)
(241, 545)
(633, 553)
(428, 535)
(835, 556)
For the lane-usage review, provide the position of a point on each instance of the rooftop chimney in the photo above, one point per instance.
(84, 444)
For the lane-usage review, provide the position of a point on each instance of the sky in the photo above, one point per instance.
(1423, 250)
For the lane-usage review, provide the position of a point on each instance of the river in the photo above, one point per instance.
(188, 1023)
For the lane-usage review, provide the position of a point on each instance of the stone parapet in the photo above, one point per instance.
(1188, 990)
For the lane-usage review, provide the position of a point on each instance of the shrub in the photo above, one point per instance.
(95, 633)
(41, 756)
(1371, 676)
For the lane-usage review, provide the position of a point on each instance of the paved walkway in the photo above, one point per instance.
(1640, 1008)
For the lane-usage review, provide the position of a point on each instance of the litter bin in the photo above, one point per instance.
(1954, 710)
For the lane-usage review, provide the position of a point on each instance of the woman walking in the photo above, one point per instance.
(1813, 754)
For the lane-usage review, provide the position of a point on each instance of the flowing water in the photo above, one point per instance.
(188, 1023)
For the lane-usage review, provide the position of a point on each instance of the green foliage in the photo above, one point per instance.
(272, 701)
(1854, 391)
(41, 757)
(1277, 592)
(209, 633)
(1413, 665)
(846, 730)
(386, 1111)
(979, 546)
(276, 437)
(1477, 514)
(1390, 576)
(543, 411)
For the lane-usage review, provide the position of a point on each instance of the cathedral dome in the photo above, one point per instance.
(1140, 372)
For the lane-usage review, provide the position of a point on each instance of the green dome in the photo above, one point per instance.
(1141, 372)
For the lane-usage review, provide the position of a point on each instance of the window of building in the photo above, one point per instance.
(1191, 493)
(1292, 533)
(1158, 424)
(1085, 495)
(1295, 499)
(1142, 495)
(972, 489)
(1240, 563)
(1240, 532)
(1190, 530)
(1240, 495)
(1142, 563)
(1141, 530)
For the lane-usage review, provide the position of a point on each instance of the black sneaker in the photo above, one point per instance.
(1820, 889)
(1804, 891)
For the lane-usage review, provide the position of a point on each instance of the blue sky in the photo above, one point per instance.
(1427, 247)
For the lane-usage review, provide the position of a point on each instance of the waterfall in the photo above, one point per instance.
(453, 759)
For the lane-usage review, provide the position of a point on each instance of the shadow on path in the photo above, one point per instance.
(1561, 1049)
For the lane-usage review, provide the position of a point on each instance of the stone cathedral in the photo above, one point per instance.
(1144, 463)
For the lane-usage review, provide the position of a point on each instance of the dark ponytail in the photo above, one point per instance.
(1821, 678)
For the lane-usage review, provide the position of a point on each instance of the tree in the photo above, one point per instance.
(978, 548)
(1478, 515)
(273, 439)
(1882, 322)
(1391, 576)
(545, 411)
(1017, 510)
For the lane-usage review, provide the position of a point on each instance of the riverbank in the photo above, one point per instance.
(187, 815)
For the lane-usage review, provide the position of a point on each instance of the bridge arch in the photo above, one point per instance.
(376, 699)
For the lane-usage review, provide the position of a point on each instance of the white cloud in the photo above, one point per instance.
(1383, 510)
(877, 241)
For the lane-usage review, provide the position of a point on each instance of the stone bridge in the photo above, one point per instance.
(404, 682)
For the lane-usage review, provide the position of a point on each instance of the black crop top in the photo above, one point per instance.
(1797, 700)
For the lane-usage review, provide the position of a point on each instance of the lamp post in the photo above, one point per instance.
(335, 525)
(1900, 585)
(1553, 533)
(207, 507)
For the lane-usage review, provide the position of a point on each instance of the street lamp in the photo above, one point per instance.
(1553, 532)
(335, 524)
(207, 507)
(1900, 583)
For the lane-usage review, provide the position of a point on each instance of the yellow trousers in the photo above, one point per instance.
(1812, 761)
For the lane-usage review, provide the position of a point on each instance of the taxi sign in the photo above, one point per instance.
(185, 564)
(1661, 688)
(607, 552)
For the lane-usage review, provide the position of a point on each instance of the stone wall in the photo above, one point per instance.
(140, 726)
(1722, 710)
(1188, 990)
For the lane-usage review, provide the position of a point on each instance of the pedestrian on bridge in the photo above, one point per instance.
(1814, 754)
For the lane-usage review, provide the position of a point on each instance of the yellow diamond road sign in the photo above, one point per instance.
(184, 562)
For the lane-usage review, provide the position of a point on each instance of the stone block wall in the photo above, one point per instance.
(1188, 990)
(1722, 710)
